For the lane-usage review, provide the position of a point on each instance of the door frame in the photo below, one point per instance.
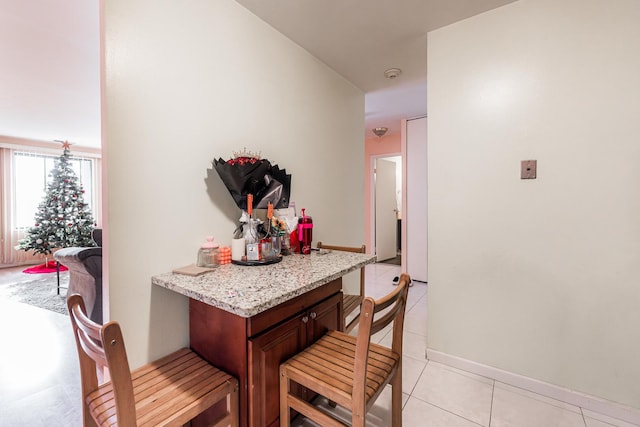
(404, 228)
(372, 195)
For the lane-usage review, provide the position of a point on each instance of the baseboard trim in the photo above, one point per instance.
(592, 403)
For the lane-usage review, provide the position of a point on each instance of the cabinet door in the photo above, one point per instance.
(325, 316)
(266, 352)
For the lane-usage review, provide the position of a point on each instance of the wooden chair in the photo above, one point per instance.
(350, 302)
(350, 371)
(167, 392)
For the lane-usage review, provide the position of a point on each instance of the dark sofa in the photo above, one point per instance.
(85, 274)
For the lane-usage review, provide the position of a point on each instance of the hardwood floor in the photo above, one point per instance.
(39, 373)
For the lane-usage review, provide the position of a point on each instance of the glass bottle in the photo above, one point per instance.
(305, 233)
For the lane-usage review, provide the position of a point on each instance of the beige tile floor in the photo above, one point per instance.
(436, 395)
(40, 386)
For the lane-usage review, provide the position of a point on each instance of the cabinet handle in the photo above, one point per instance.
(313, 315)
(305, 319)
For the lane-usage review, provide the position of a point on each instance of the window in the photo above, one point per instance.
(31, 177)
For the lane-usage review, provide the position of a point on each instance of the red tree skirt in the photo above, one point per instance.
(48, 267)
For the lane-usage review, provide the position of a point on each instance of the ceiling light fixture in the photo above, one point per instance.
(380, 131)
(392, 73)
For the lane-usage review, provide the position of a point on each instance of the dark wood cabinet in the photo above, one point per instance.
(253, 348)
(271, 348)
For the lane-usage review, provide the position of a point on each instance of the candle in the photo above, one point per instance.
(249, 204)
(269, 210)
(237, 249)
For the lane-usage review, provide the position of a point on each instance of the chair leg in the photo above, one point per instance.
(232, 416)
(396, 398)
(87, 419)
(234, 406)
(284, 395)
(358, 416)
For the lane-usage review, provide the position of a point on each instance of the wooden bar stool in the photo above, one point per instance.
(350, 371)
(350, 302)
(167, 392)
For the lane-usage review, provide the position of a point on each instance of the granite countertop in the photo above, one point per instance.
(249, 290)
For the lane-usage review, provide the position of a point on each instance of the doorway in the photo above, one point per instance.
(387, 214)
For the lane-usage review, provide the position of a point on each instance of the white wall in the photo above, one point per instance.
(187, 82)
(538, 277)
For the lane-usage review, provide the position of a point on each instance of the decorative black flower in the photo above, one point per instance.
(245, 175)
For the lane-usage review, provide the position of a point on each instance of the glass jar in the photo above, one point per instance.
(276, 242)
(208, 255)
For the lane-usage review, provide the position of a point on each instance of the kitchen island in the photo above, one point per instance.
(246, 320)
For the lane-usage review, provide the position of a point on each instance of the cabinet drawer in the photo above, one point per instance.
(267, 319)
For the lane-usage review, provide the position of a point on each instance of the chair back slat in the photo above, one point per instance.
(390, 300)
(351, 302)
(388, 317)
(357, 249)
(82, 322)
(392, 297)
(92, 349)
(87, 334)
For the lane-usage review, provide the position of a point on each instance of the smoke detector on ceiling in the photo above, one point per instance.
(392, 73)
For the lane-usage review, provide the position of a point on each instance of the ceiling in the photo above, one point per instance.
(50, 74)
(360, 39)
(51, 90)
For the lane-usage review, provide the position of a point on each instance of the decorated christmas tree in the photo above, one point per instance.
(63, 219)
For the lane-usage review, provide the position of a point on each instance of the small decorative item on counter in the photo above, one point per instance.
(225, 255)
(285, 248)
(269, 210)
(285, 225)
(253, 253)
(279, 236)
(250, 228)
(250, 204)
(305, 233)
(266, 249)
(276, 243)
(208, 255)
(278, 227)
(238, 248)
(294, 243)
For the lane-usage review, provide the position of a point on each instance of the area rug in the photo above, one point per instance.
(39, 291)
